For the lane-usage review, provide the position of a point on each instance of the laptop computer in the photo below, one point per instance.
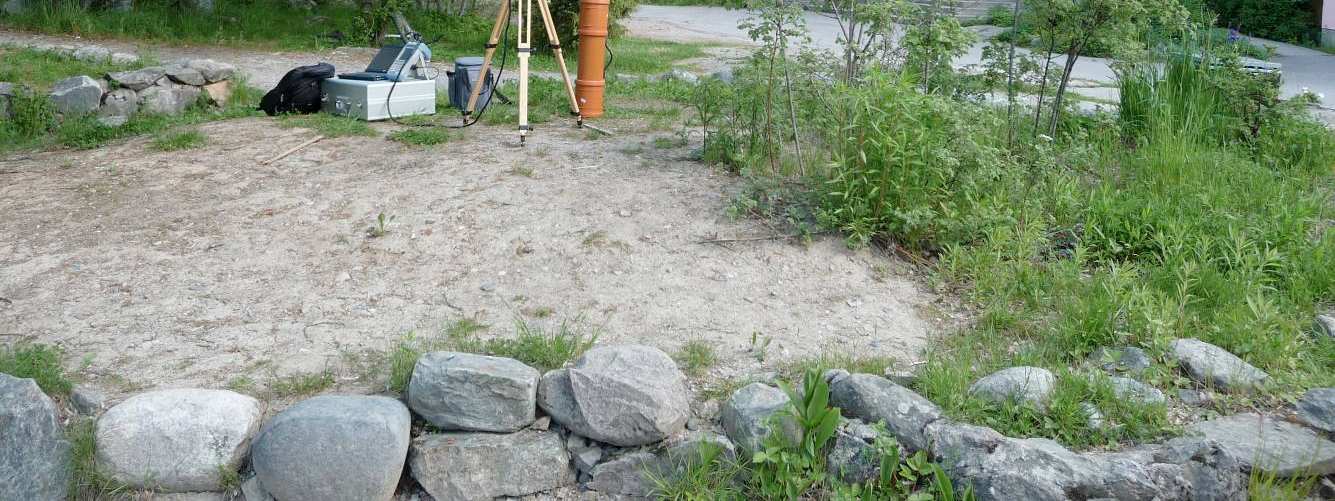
(380, 65)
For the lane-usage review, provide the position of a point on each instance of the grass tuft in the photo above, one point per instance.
(421, 136)
(178, 140)
(695, 357)
(86, 482)
(300, 385)
(329, 126)
(39, 362)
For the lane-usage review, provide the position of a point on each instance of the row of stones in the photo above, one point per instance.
(611, 410)
(485, 440)
(164, 90)
(1209, 463)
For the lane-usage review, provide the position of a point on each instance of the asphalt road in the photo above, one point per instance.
(1303, 68)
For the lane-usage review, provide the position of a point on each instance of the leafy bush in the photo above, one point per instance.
(565, 14)
(1283, 20)
(910, 183)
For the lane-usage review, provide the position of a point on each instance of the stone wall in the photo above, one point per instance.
(480, 427)
(116, 97)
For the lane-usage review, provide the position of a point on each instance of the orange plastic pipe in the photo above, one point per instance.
(592, 35)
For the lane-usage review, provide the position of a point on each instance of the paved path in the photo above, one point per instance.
(1303, 67)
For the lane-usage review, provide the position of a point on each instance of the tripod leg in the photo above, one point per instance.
(502, 19)
(560, 59)
(524, 47)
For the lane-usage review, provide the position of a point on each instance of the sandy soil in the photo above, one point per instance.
(157, 269)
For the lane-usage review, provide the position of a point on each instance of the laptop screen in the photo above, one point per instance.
(384, 59)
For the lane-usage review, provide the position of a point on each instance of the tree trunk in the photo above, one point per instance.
(1010, 80)
(1043, 86)
(1071, 57)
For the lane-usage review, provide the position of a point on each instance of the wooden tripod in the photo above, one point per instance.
(524, 48)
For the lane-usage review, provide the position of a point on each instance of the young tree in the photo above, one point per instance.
(1070, 27)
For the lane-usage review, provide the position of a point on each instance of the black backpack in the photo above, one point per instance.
(298, 91)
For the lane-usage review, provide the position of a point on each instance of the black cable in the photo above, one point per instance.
(482, 80)
(607, 46)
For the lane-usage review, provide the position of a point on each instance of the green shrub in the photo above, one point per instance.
(1283, 20)
(565, 14)
(916, 184)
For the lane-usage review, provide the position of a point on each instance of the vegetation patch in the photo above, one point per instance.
(1196, 212)
(695, 358)
(38, 362)
(179, 140)
(421, 136)
(86, 482)
(327, 125)
(39, 69)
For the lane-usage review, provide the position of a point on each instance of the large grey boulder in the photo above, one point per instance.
(167, 98)
(1002, 468)
(854, 458)
(1214, 366)
(624, 395)
(139, 79)
(1325, 324)
(334, 448)
(630, 474)
(87, 400)
(635, 473)
(176, 440)
(118, 106)
(1029, 385)
(185, 75)
(124, 58)
(751, 414)
(1129, 389)
(1270, 445)
(466, 466)
(34, 455)
(1126, 359)
(875, 399)
(461, 391)
(76, 95)
(92, 53)
(212, 71)
(1317, 409)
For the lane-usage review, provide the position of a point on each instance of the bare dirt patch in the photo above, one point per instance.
(197, 267)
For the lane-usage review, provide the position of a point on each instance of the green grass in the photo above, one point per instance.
(329, 126)
(242, 384)
(300, 385)
(1200, 212)
(39, 70)
(420, 136)
(86, 482)
(273, 24)
(178, 140)
(39, 362)
(542, 348)
(695, 357)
